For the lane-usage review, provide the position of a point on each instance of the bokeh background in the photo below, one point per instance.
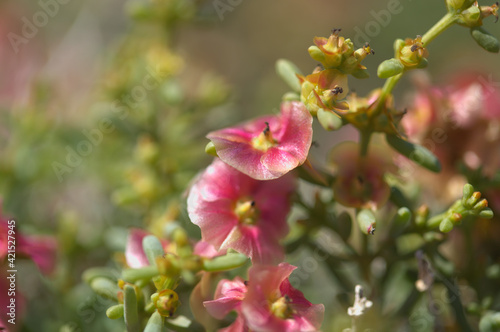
(66, 78)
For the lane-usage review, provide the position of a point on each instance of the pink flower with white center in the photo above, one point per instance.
(267, 302)
(268, 147)
(238, 212)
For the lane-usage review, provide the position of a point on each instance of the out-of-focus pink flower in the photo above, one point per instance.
(134, 252)
(40, 249)
(268, 147)
(360, 180)
(423, 113)
(235, 211)
(268, 303)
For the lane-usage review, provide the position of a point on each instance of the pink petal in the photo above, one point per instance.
(292, 130)
(134, 254)
(228, 297)
(239, 325)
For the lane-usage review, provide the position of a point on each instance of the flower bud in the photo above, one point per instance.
(446, 225)
(366, 221)
(487, 213)
(421, 215)
(329, 120)
(468, 191)
(166, 302)
(390, 68)
(484, 39)
(210, 149)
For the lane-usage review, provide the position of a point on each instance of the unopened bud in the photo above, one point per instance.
(329, 120)
(366, 221)
(446, 225)
(389, 68)
(166, 302)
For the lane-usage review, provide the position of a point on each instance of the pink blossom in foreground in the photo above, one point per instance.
(235, 211)
(268, 147)
(40, 249)
(267, 302)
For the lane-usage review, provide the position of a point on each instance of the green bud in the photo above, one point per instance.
(389, 68)
(288, 72)
(487, 213)
(115, 311)
(421, 215)
(329, 120)
(490, 322)
(153, 248)
(414, 152)
(366, 221)
(484, 39)
(467, 193)
(224, 263)
(131, 308)
(105, 287)
(290, 96)
(446, 225)
(472, 201)
(210, 149)
(166, 302)
(155, 323)
(316, 54)
(403, 216)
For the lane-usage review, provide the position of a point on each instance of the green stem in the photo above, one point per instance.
(447, 21)
(444, 23)
(364, 142)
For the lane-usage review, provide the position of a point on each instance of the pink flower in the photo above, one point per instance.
(360, 181)
(268, 147)
(235, 211)
(40, 249)
(268, 303)
(134, 252)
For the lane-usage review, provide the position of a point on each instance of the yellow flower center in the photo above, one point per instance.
(281, 307)
(247, 212)
(265, 140)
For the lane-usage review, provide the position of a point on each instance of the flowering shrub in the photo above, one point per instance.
(272, 228)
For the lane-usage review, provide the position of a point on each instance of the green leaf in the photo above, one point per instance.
(143, 273)
(115, 311)
(484, 39)
(131, 313)
(414, 152)
(155, 323)
(105, 287)
(288, 72)
(223, 263)
(153, 248)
